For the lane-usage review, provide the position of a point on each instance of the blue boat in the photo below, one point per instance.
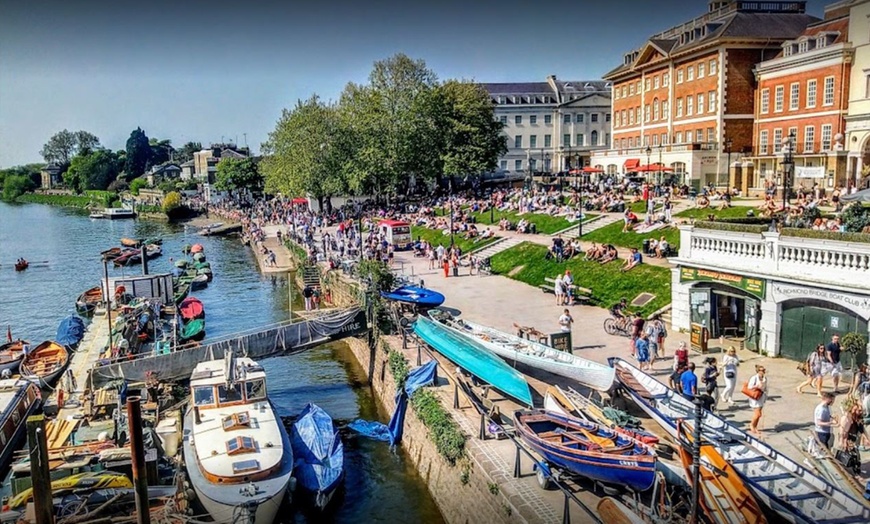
(587, 449)
(475, 358)
(319, 464)
(419, 296)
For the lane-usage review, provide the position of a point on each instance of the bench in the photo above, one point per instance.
(578, 293)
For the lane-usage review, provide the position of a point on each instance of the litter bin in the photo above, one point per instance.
(533, 229)
(646, 246)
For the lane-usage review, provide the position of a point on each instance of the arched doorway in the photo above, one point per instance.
(726, 311)
(809, 322)
(861, 178)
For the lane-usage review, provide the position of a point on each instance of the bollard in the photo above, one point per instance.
(482, 426)
(419, 355)
(196, 417)
(566, 511)
(404, 338)
(455, 395)
(38, 451)
(517, 463)
(137, 452)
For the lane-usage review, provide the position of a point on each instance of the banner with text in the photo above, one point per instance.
(809, 171)
(753, 286)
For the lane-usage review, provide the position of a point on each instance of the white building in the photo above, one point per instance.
(776, 293)
(858, 116)
(551, 126)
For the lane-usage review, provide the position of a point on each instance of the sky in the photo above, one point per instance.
(189, 70)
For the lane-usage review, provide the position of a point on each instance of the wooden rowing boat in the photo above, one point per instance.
(21, 266)
(570, 402)
(45, 363)
(613, 511)
(11, 355)
(89, 300)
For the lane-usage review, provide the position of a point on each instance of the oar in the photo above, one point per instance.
(29, 263)
(602, 442)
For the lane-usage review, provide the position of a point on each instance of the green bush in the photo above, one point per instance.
(398, 367)
(856, 217)
(854, 343)
(443, 430)
(732, 226)
(138, 184)
(57, 200)
(826, 235)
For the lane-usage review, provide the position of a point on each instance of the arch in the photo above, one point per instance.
(611, 169)
(865, 152)
(594, 138)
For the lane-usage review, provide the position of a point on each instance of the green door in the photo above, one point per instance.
(791, 334)
(752, 319)
(804, 327)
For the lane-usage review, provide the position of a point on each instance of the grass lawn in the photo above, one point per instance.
(435, 237)
(731, 212)
(607, 282)
(544, 223)
(613, 234)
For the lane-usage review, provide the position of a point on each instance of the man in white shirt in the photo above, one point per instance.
(566, 321)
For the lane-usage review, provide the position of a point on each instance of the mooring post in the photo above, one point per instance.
(142, 252)
(39, 472)
(137, 452)
(517, 463)
(455, 395)
(482, 426)
(566, 511)
(419, 355)
(696, 462)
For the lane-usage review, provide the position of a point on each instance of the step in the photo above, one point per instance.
(498, 247)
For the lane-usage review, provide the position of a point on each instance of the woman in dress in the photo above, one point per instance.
(815, 362)
(729, 366)
(757, 382)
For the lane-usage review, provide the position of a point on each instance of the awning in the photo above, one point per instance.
(588, 169)
(299, 201)
(631, 164)
(652, 168)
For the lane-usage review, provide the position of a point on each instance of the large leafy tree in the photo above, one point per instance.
(138, 154)
(473, 137)
(161, 151)
(238, 174)
(185, 152)
(94, 170)
(306, 152)
(64, 145)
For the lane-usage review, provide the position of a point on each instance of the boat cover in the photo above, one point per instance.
(71, 331)
(317, 449)
(392, 432)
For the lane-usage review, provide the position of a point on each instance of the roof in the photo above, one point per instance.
(512, 88)
(189, 163)
(212, 371)
(393, 223)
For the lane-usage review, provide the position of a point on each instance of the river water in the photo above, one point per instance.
(63, 247)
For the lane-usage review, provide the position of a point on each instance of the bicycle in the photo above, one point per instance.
(616, 326)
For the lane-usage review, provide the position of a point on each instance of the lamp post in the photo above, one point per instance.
(648, 153)
(787, 167)
(661, 147)
(728, 144)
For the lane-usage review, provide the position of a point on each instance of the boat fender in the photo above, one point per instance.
(189, 494)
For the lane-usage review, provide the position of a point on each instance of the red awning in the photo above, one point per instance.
(574, 171)
(588, 169)
(652, 168)
(299, 201)
(631, 164)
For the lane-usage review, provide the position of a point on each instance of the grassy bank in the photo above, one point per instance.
(544, 223)
(612, 234)
(607, 282)
(88, 199)
(703, 214)
(435, 237)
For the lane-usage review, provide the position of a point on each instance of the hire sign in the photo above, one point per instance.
(753, 286)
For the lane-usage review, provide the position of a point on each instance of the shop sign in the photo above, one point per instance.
(753, 286)
(561, 341)
(810, 171)
(857, 303)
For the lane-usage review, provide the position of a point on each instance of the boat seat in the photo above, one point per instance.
(806, 496)
(747, 460)
(780, 476)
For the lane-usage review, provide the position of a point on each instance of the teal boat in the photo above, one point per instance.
(474, 358)
(181, 292)
(193, 330)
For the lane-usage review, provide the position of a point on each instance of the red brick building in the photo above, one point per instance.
(690, 90)
(804, 92)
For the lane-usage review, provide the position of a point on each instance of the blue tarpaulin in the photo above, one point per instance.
(70, 332)
(318, 453)
(392, 432)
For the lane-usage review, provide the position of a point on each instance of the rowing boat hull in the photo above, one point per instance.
(416, 295)
(45, 364)
(786, 487)
(474, 358)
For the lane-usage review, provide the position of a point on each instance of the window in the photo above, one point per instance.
(518, 165)
(762, 141)
(231, 394)
(237, 420)
(711, 99)
(679, 107)
(711, 134)
(606, 117)
(690, 105)
(243, 466)
(821, 41)
(624, 142)
(580, 118)
(867, 86)
(503, 165)
(566, 139)
(804, 46)
(518, 141)
(580, 138)
(765, 101)
(631, 117)
(826, 137)
(787, 50)
(240, 445)
(700, 103)
(679, 76)
(593, 117)
(548, 119)
(548, 140)
(777, 141)
(623, 121)
(203, 396)
(699, 135)
(792, 131)
(655, 141)
(518, 119)
(666, 79)
(809, 138)
(690, 73)
(533, 164)
(606, 139)
(829, 91)
(794, 96)
(594, 138)
(701, 68)
(631, 89)
(503, 120)
(646, 113)
(566, 119)
(656, 109)
(778, 98)
(713, 66)
(656, 82)
(811, 93)
(665, 108)
(637, 114)
(646, 140)
(679, 138)
(664, 139)
(623, 91)
(533, 119)
(646, 84)
(533, 141)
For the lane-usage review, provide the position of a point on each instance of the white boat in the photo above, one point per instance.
(114, 213)
(512, 348)
(18, 400)
(790, 489)
(237, 452)
(97, 214)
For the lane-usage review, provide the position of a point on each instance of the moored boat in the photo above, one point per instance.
(569, 402)
(238, 455)
(89, 300)
(534, 354)
(474, 358)
(97, 215)
(45, 363)
(113, 213)
(191, 308)
(112, 253)
(180, 293)
(789, 489)
(193, 330)
(319, 454)
(129, 242)
(18, 400)
(199, 282)
(415, 295)
(587, 449)
(11, 355)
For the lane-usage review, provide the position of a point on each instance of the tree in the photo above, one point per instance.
(94, 170)
(138, 153)
(185, 152)
(64, 145)
(16, 185)
(238, 174)
(32, 172)
(137, 184)
(161, 151)
(473, 137)
(171, 204)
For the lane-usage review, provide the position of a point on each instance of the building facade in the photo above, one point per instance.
(686, 98)
(551, 126)
(858, 115)
(205, 161)
(804, 93)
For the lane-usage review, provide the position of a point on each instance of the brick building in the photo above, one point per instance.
(858, 118)
(802, 92)
(686, 98)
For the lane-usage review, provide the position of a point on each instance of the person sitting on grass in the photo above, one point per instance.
(662, 248)
(633, 261)
(702, 202)
(630, 220)
(595, 252)
(610, 254)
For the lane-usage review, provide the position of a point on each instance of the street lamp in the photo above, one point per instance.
(648, 153)
(661, 147)
(787, 167)
(728, 144)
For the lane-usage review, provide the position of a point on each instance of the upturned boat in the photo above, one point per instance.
(474, 358)
(129, 242)
(534, 354)
(725, 498)
(587, 449)
(238, 455)
(11, 355)
(415, 295)
(191, 308)
(569, 402)
(88, 301)
(789, 489)
(45, 363)
(319, 454)
(193, 330)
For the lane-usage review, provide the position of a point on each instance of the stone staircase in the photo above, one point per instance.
(497, 247)
(604, 221)
(311, 276)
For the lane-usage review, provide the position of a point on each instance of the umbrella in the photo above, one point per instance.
(860, 196)
(299, 201)
(588, 169)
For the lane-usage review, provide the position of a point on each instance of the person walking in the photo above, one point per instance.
(711, 379)
(833, 350)
(823, 420)
(566, 321)
(642, 350)
(757, 382)
(689, 382)
(558, 289)
(729, 365)
(815, 364)
(654, 330)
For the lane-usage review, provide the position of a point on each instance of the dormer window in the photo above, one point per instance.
(822, 41)
(786, 50)
(236, 421)
(240, 445)
(803, 46)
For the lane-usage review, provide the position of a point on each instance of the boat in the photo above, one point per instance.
(206, 271)
(129, 242)
(45, 363)
(21, 266)
(534, 354)
(181, 264)
(197, 248)
(115, 213)
(193, 330)
(416, 295)
(613, 511)
(112, 253)
(587, 449)
(97, 215)
(11, 354)
(191, 308)
(134, 256)
(474, 358)
(199, 257)
(319, 454)
(18, 400)
(569, 402)
(724, 497)
(199, 282)
(181, 292)
(788, 488)
(79, 482)
(238, 455)
(88, 301)
(70, 332)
